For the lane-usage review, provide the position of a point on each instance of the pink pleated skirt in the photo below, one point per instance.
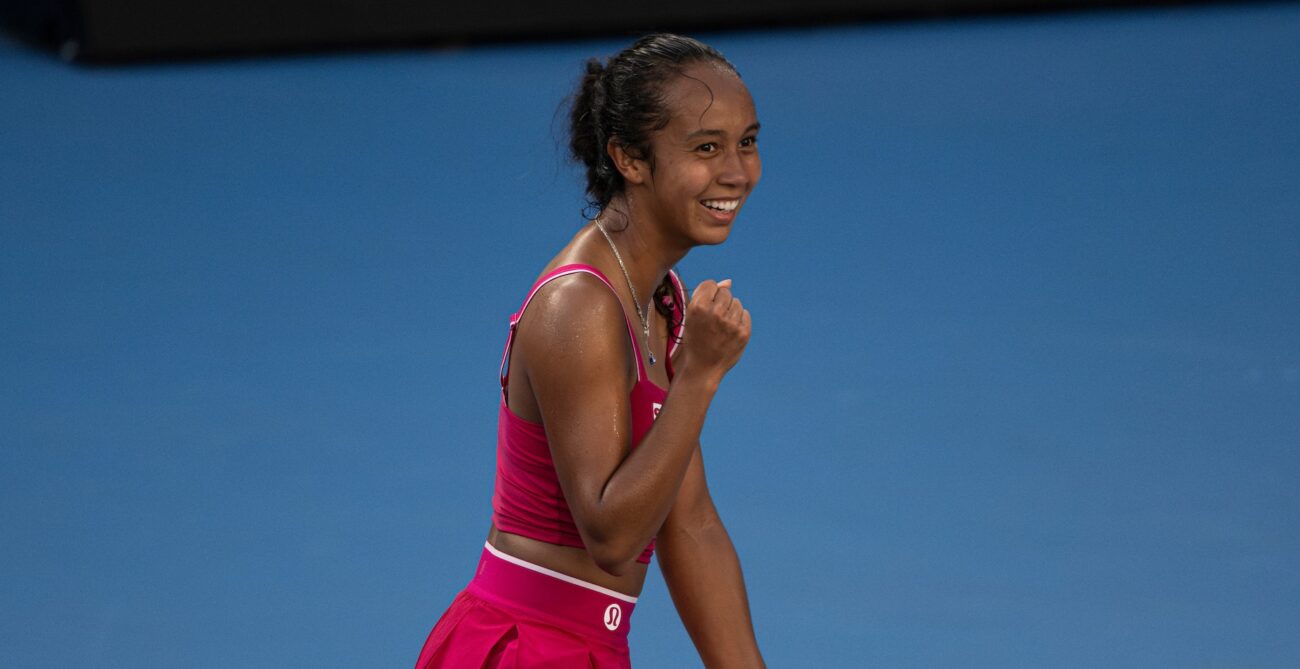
(515, 614)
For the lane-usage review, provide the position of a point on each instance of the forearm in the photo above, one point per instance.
(640, 493)
(703, 574)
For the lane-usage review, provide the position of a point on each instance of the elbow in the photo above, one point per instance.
(614, 557)
(613, 543)
(613, 567)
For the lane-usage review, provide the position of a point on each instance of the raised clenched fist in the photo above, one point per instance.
(717, 330)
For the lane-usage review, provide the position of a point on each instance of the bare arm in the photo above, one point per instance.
(577, 356)
(703, 575)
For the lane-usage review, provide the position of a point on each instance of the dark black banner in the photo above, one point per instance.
(125, 29)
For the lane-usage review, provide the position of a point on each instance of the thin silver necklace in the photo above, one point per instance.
(636, 301)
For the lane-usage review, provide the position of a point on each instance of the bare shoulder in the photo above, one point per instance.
(573, 327)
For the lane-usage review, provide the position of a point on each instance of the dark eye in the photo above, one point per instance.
(708, 147)
(749, 142)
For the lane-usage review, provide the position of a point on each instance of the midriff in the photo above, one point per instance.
(570, 561)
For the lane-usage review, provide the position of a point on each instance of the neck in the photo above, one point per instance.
(647, 255)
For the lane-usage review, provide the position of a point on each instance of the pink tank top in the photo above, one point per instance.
(528, 500)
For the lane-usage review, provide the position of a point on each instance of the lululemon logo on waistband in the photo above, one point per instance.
(613, 617)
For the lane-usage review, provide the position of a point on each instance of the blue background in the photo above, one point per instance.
(1024, 388)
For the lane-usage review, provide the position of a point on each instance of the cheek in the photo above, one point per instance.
(692, 179)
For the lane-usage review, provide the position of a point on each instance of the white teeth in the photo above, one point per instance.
(721, 205)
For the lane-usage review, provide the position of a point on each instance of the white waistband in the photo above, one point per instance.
(555, 574)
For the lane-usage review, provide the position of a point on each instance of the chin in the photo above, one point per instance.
(713, 234)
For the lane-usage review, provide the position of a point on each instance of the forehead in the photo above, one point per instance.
(708, 96)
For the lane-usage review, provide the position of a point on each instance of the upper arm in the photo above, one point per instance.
(576, 357)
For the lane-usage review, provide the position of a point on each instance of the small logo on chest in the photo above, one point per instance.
(655, 407)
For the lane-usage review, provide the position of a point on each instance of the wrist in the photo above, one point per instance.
(698, 380)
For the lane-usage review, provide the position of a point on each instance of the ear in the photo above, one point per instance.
(634, 170)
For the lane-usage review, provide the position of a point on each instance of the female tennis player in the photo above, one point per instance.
(606, 379)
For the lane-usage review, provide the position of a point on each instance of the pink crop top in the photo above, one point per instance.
(528, 500)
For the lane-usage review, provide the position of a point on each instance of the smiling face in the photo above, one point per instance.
(705, 160)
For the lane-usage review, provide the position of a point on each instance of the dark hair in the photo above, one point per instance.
(623, 100)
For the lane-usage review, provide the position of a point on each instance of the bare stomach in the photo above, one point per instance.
(569, 561)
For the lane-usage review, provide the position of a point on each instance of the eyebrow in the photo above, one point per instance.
(704, 132)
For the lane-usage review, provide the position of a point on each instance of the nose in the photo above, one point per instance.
(732, 172)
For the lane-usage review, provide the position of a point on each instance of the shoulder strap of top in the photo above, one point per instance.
(563, 270)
